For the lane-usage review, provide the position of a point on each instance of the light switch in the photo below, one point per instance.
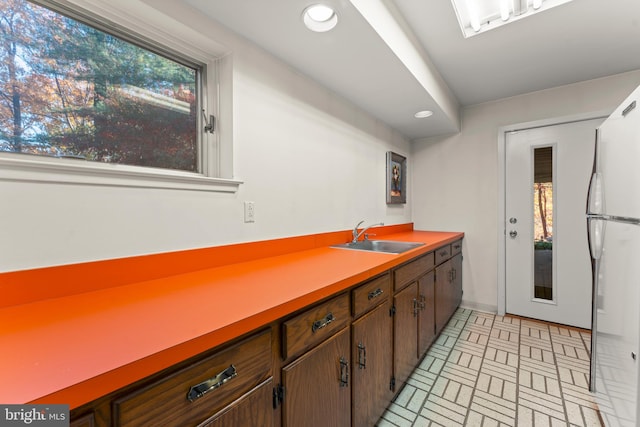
(249, 212)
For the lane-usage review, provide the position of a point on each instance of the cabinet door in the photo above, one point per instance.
(85, 421)
(456, 288)
(372, 365)
(443, 297)
(405, 328)
(426, 315)
(317, 386)
(254, 409)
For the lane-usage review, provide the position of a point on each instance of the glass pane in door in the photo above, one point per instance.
(543, 223)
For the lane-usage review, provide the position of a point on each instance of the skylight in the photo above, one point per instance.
(478, 16)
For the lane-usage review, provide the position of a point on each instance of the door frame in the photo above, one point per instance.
(502, 196)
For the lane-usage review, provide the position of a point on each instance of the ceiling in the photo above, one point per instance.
(393, 58)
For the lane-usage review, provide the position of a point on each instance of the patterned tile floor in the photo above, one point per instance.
(488, 370)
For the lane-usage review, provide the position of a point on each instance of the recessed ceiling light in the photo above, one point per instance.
(423, 114)
(319, 18)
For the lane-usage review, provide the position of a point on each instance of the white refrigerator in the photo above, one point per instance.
(613, 222)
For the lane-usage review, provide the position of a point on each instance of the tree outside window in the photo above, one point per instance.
(70, 90)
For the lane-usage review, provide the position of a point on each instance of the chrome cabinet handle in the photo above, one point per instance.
(513, 234)
(444, 253)
(415, 307)
(375, 294)
(199, 390)
(344, 372)
(319, 324)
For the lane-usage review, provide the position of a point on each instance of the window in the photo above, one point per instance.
(79, 92)
(478, 16)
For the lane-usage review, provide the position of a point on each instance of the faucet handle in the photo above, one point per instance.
(367, 235)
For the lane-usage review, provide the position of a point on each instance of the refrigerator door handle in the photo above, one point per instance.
(595, 232)
(595, 199)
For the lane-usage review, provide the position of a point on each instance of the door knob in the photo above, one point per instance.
(513, 234)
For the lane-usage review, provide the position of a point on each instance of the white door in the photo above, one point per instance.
(548, 266)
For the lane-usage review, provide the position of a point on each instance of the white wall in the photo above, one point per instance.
(309, 160)
(455, 178)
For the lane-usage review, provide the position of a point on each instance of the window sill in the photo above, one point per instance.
(69, 171)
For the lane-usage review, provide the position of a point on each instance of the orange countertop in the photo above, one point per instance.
(75, 348)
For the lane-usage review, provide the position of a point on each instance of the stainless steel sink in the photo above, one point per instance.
(388, 246)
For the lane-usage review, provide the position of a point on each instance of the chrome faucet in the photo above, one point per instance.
(357, 235)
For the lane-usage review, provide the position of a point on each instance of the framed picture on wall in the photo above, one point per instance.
(396, 178)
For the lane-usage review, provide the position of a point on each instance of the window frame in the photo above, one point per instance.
(120, 17)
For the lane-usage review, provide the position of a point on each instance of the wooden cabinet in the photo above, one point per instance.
(456, 266)
(424, 300)
(317, 389)
(413, 314)
(405, 332)
(193, 394)
(426, 312)
(335, 363)
(371, 294)
(414, 325)
(84, 421)
(442, 254)
(317, 385)
(371, 351)
(249, 410)
(410, 271)
(443, 295)
(314, 325)
(448, 294)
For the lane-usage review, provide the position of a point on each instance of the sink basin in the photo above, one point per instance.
(388, 246)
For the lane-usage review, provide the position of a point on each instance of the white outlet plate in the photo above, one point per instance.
(249, 212)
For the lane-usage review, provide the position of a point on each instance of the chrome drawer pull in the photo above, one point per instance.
(375, 294)
(444, 253)
(319, 324)
(199, 390)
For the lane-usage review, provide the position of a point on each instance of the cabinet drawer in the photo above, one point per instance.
(443, 253)
(314, 325)
(371, 294)
(456, 247)
(407, 273)
(220, 378)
